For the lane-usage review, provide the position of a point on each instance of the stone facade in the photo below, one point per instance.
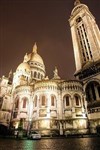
(86, 44)
(56, 106)
(49, 106)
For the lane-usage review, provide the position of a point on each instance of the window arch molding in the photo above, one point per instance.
(39, 75)
(35, 101)
(24, 102)
(53, 100)
(43, 100)
(35, 74)
(77, 99)
(92, 90)
(78, 19)
(1, 102)
(67, 100)
(17, 99)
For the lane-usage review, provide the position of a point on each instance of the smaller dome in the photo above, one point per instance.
(23, 67)
(26, 58)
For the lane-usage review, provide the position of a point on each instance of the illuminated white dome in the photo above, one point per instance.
(23, 67)
(36, 64)
(35, 57)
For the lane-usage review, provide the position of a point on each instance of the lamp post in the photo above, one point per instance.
(29, 127)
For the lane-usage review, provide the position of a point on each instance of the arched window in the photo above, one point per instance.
(17, 102)
(38, 75)
(79, 19)
(66, 100)
(77, 100)
(43, 101)
(92, 91)
(53, 100)
(1, 102)
(35, 101)
(41, 76)
(24, 102)
(35, 74)
(99, 90)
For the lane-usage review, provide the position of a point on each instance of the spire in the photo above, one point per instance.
(77, 2)
(35, 48)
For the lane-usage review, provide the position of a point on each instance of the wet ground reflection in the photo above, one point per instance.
(51, 144)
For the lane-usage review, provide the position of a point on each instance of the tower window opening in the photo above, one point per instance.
(88, 45)
(81, 44)
(79, 19)
(83, 54)
(85, 46)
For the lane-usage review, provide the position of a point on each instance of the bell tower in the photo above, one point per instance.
(86, 41)
(86, 45)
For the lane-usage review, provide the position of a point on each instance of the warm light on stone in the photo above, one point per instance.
(28, 98)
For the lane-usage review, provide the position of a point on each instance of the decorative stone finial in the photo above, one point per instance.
(77, 2)
(56, 76)
(10, 74)
(26, 58)
(35, 48)
(46, 78)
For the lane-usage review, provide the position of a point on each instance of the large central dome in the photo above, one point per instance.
(36, 58)
(36, 64)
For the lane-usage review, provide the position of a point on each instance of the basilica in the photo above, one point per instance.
(28, 98)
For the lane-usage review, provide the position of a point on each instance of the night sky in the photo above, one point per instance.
(24, 22)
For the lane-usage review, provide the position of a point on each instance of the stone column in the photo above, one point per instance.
(96, 92)
(61, 128)
(91, 94)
